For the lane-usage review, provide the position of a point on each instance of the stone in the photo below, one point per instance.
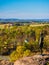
(33, 60)
(5, 62)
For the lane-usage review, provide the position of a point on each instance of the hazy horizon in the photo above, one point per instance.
(24, 9)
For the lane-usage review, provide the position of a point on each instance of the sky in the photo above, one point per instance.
(24, 9)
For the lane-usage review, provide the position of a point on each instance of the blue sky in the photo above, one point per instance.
(24, 9)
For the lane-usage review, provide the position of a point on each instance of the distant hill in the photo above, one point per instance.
(24, 20)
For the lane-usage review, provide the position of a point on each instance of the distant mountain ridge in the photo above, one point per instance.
(24, 20)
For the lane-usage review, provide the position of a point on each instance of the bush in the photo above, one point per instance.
(18, 53)
(27, 53)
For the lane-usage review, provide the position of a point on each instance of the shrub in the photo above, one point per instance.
(18, 53)
(27, 53)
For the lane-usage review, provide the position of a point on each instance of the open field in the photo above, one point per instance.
(35, 25)
(2, 26)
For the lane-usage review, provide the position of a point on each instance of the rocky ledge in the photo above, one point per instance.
(34, 60)
(5, 62)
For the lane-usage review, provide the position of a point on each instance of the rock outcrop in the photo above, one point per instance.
(5, 62)
(34, 60)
